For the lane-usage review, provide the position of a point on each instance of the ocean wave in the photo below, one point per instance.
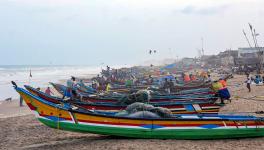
(41, 75)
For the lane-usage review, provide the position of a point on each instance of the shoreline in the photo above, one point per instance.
(42, 85)
(12, 109)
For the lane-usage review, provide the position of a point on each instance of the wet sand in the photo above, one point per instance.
(23, 131)
(12, 109)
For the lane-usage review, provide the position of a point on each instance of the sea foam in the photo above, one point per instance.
(41, 75)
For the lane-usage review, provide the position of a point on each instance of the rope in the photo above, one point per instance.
(58, 124)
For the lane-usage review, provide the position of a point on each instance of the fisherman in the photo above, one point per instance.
(190, 76)
(166, 86)
(209, 79)
(171, 85)
(129, 82)
(224, 90)
(182, 75)
(223, 82)
(94, 85)
(176, 80)
(258, 79)
(186, 78)
(150, 79)
(108, 87)
(248, 82)
(70, 91)
(221, 91)
(48, 91)
(193, 77)
(204, 75)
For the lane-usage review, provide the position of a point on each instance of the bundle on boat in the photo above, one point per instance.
(141, 110)
(140, 96)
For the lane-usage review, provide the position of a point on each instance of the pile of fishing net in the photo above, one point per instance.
(141, 110)
(139, 96)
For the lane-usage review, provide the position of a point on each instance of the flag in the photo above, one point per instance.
(30, 75)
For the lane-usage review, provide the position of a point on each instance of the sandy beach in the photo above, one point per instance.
(20, 130)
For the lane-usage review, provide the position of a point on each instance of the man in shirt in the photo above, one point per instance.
(222, 91)
(70, 91)
(166, 85)
(48, 91)
(248, 83)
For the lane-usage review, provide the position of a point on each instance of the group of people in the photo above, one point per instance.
(188, 77)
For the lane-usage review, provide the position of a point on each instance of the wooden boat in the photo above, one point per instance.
(64, 117)
(209, 98)
(180, 108)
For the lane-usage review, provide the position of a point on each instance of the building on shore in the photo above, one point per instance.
(249, 56)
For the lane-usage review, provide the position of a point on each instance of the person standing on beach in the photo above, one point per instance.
(70, 90)
(216, 86)
(248, 83)
(209, 79)
(21, 101)
(166, 86)
(171, 85)
(48, 91)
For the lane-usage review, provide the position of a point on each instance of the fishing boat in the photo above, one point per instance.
(64, 117)
(203, 98)
(175, 108)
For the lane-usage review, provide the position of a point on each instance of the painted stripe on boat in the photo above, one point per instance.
(118, 126)
(197, 107)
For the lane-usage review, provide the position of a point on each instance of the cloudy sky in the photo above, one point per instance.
(89, 32)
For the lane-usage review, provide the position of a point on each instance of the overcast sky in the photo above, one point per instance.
(89, 32)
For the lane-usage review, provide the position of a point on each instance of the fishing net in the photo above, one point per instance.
(135, 107)
(141, 110)
(122, 113)
(140, 96)
(143, 114)
(162, 112)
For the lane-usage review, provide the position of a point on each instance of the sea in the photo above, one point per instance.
(41, 76)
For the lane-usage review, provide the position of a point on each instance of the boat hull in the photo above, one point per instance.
(183, 134)
(217, 127)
